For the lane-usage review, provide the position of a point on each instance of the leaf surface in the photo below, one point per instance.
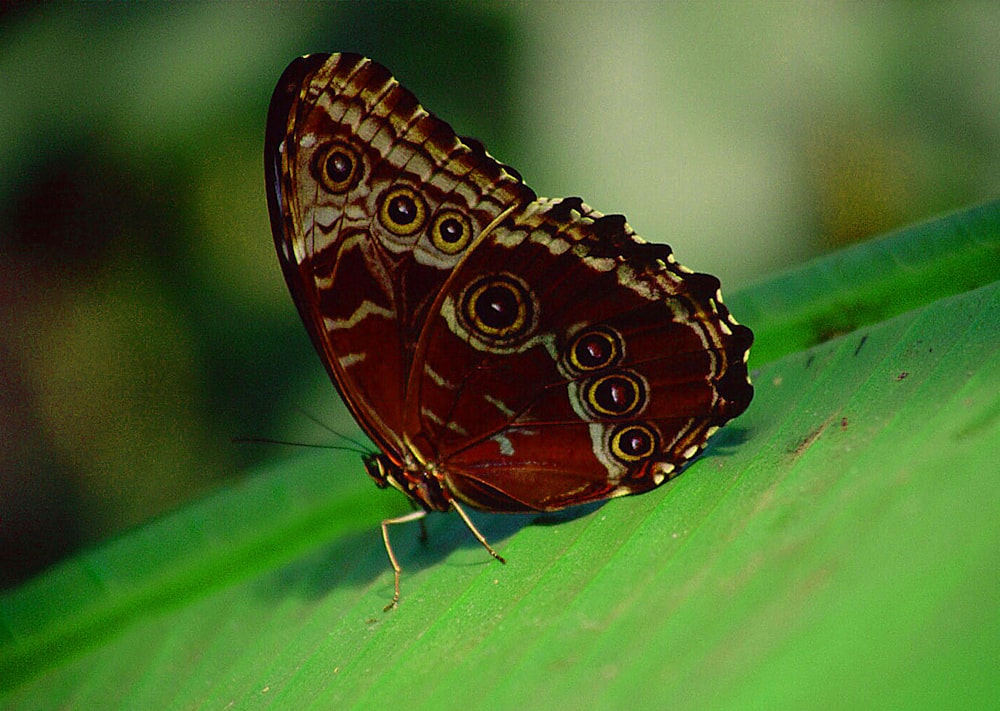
(836, 545)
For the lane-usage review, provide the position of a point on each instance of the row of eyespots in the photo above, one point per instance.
(501, 310)
(609, 392)
(402, 210)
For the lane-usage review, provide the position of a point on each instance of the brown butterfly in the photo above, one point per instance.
(504, 351)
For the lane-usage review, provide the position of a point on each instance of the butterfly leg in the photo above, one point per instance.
(424, 538)
(475, 531)
(412, 516)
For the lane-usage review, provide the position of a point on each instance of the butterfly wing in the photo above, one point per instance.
(520, 354)
(373, 201)
(572, 362)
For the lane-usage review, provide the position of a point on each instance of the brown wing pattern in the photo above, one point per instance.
(372, 202)
(512, 352)
(624, 367)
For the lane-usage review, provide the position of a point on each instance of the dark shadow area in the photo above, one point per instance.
(356, 559)
(727, 440)
(555, 518)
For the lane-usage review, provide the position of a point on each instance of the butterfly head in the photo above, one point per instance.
(419, 485)
(378, 469)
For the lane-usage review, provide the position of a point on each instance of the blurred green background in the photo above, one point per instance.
(144, 322)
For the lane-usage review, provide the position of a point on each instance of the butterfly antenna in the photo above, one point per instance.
(290, 443)
(362, 448)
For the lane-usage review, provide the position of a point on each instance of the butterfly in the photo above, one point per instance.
(505, 352)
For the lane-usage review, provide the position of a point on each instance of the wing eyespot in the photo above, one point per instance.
(403, 211)
(633, 443)
(451, 232)
(617, 394)
(499, 308)
(595, 349)
(337, 167)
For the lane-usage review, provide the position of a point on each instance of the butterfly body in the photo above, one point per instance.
(504, 351)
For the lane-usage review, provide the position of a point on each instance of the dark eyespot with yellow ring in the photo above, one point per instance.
(337, 167)
(615, 395)
(595, 349)
(403, 211)
(633, 443)
(451, 232)
(498, 307)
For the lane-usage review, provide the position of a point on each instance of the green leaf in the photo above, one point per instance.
(842, 292)
(836, 546)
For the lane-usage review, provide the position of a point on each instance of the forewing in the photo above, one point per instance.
(373, 202)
